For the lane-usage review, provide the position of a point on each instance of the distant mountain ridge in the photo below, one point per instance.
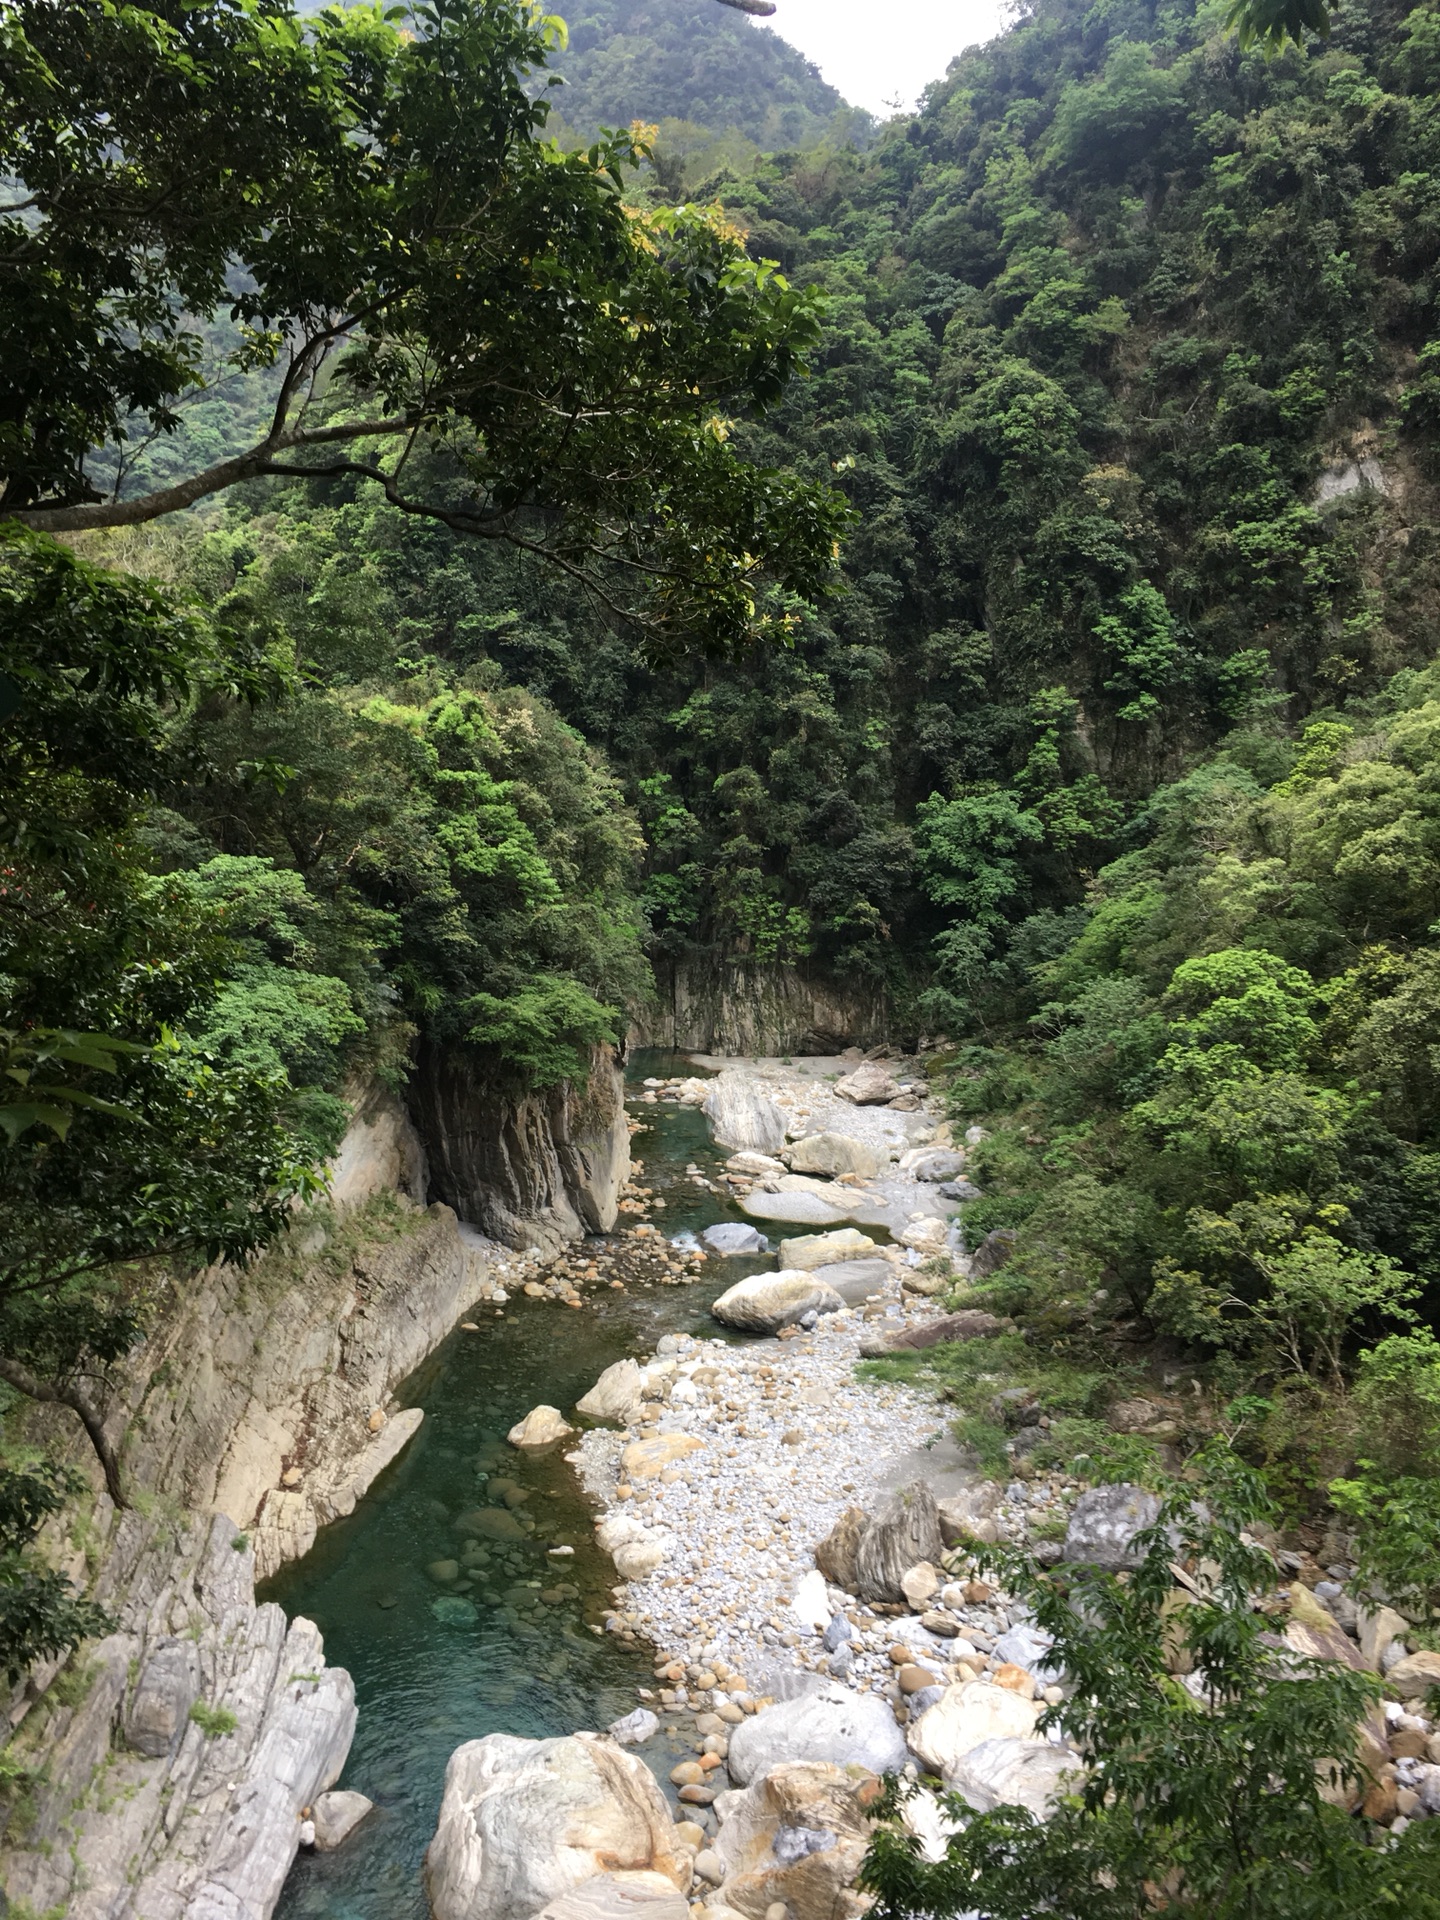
(688, 60)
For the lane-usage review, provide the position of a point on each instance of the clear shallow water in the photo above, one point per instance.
(432, 1669)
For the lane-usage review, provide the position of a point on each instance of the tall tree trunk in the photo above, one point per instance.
(67, 1394)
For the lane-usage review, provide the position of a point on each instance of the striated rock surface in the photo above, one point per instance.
(536, 1172)
(253, 1374)
(732, 1008)
(904, 1529)
(743, 1113)
(230, 1728)
(526, 1822)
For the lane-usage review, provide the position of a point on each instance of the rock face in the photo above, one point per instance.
(743, 1113)
(288, 1362)
(904, 1529)
(834, 1154)
(381, 1151)
(281, 1723)
(831, 1724)
(766, 1302)
(737, 1009)
(534, 1172)
(246, 1377)
(1103, 1525)
(526, 1822)
(870, 1085)
(798, 1836)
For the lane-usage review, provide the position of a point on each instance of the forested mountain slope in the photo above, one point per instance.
(687, 60)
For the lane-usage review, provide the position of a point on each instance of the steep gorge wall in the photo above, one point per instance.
(536, 1171)
(259, 1409)
(732, 1008)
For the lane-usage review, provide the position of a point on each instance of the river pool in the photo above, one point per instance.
(435, 1667)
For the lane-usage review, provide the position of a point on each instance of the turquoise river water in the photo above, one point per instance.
(432, 1669)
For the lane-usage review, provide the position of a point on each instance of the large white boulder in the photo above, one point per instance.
(766, 1302)
(541, 1427)
(526, 1822)
(1016, 1773)
(797, 1835)
(965, 1717)
(808, 1251)
(834, 1154)
(615, 1395)
(831, 1724)
(743, 1113)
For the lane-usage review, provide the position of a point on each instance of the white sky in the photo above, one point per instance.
(879, 51)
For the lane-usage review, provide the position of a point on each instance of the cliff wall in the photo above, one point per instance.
(737, 1009)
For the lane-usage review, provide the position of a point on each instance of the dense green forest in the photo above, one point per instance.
(1019, 599)
(695, 65)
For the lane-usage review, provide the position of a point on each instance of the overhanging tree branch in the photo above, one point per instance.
(66, 1394)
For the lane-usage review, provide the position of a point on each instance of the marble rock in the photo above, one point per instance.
(968, 1715)
(834, 1154)
(336, 1816)
(615, 1395)
(541, 1427)
(830, 1724)
(526, 1822)
(766, 1302)
(808, 1251)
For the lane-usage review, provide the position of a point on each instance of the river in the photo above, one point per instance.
(433, 1668)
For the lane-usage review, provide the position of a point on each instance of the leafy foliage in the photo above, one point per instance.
(389, 194)
(1200, 1794)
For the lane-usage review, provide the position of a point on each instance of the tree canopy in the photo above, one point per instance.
(379, 216)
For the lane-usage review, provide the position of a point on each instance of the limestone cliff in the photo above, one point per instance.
(732, 1008)
(534, 1171)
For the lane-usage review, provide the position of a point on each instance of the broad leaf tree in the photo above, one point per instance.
(372, 211)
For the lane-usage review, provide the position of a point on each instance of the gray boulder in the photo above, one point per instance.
(743, 1114)
(336, 1816)
(1104, 1523)
(904, 1529)
(870, 1085)
(856, 1280)
(1026, 1646)
(797, 1209)
(992, 1253)
(766, 1302)
(831, 1724)
(640, 1725)
(733, 1236)
(940, 1164)
(1015, 1773)
(834, 1154)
